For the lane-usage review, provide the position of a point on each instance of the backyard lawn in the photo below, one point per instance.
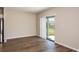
(51, 31)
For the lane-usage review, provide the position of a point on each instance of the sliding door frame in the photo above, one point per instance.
(2, 30)
(47, 26)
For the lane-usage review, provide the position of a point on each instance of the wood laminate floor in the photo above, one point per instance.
(32, 44)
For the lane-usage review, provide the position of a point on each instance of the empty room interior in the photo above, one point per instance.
(39, 29)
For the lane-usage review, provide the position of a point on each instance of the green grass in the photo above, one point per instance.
(51, 31)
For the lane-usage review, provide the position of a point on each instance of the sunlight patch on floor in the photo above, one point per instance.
(52, 37)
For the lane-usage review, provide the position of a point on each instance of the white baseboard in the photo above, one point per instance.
(17, 37)
(68, 46)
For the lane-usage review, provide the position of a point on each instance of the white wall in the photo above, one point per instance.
(19, 24)
(67, 25)
(43, 27)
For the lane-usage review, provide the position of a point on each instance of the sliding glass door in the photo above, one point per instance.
(51, 28)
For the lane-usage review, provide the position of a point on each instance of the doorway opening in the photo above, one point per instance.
(50, 28)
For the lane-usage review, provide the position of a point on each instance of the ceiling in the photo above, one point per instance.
(30, 9)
